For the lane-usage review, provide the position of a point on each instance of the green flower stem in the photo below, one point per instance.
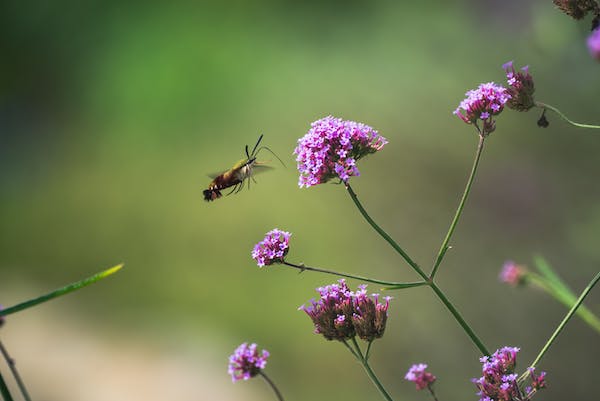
(351, 350)
(566, 299)
(566, 319)
(383, 234)
(459, 319)
(416, 267)
(461, 205)
(61, 291)
(392, 284)
(430, 388)
(4, 390)
(273, 386)
(13, 368)
(370, 372)
(368, 351)
(561, 115)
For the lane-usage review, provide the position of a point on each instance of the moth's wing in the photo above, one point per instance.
(236, 166)
(215, 175)
(261, 168)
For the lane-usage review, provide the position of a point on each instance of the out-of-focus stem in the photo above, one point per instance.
(13, 368)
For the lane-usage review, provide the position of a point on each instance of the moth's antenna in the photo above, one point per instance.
(273, 153)
(255, 146)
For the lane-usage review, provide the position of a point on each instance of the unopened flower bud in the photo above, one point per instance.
(520, 88)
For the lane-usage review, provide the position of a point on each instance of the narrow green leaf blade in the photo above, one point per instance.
(61, 291)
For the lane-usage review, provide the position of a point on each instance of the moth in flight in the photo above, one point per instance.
(241, 172)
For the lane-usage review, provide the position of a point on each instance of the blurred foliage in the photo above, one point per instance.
(113, 113)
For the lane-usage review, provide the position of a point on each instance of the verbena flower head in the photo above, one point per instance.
(537, 381)
(272, 249)
(499, 380)
(341, 314)
(331, 148)
(483, 104)
(520, 88)
(512, 273)
(370, 315)
(419, 376)
(246, 362)
(577, 9)
(593, 43)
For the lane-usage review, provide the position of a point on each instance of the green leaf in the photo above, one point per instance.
(553, 279)
(550, 282)
(61, 291)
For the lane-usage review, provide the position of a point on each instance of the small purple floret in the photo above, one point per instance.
(272, 249)
(246, 362)
(331, 148)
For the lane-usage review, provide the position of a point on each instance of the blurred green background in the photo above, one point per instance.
(112, 115)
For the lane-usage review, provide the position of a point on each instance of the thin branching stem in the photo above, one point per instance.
(273, 386)
(566, 319)
(445, 245)
(361, 358)
(561, 115)
(4, 390)
(468, 330)
(394, 284)
(385, 235)
(430, 388)
(13, 368)
(450, 306)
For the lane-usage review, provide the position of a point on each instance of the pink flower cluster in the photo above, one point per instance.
(419, 376)
(483, 104)
(341, 314)
(246, 362)
(512, 273)
(499, 380)
(272, 249)
(331, 148)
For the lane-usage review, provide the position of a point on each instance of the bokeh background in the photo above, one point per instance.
(112, 115)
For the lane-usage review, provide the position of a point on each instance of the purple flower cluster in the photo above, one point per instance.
(2, 318)
(512, 273)
(520, 88)
(419, 376)
(499, 380)
(483, 103)
(331, 148)
(341, 314)
(246, 362)
(272, 249)
(593, 43)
